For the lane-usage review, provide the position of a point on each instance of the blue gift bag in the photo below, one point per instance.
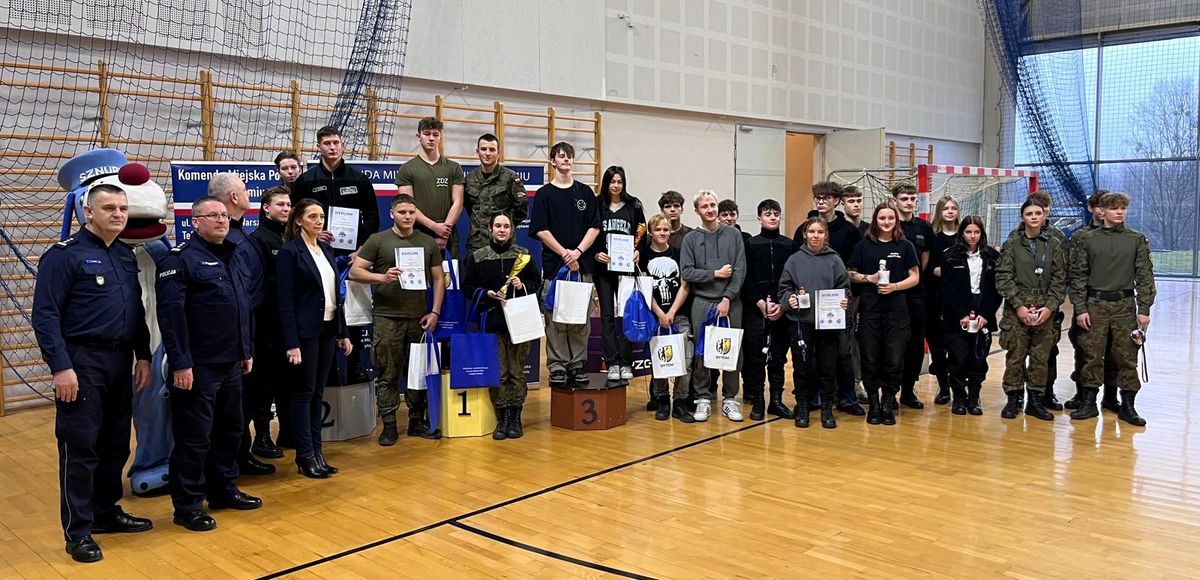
(638, 323)
(475, 359)
(453, 317)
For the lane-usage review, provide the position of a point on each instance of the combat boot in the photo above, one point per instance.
(501, 431)
(515, 430)
(777, 407)
(1035, 407)
(959, 392)
(1050, 401)
(802, 411)
(1127, 413)
(1013, 406)
(973, 399)
(388, 436)
(758, 410)
(887, 415)
(944, 390)
(1110, 402)
(873, 406)
(1087, 406)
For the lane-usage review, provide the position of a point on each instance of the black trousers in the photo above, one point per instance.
(966, 355)
(935, 333)
(206, 422)
(914, 349)
(261, 388)
(758, 366)
(617, 350)
(307, 394)
(93, 437)
(883, 335)
(816, 365)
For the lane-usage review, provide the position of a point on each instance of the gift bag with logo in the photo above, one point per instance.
(722, 345)
(625, 288)
(523, 315)
(639, 322)
(453, 317)
(572, 300)
(474, 359)
(668, 359)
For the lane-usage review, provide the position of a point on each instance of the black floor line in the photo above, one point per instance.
(454, 520)
(548, 553)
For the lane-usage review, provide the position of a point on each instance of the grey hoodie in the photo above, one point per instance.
(822, 270)
(703, 252)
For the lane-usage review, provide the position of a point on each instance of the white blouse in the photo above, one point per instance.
(975, 267)
(328, 281)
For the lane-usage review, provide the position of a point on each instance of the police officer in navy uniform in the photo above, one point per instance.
(90, 322)
(204, 313)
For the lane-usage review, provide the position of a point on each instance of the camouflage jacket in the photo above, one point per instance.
(1017, 278)
(1112, 260)
(501, 191)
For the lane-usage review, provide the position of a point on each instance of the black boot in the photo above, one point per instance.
(308, 467)
(777, 408)
(388, 436)
(1110, 402)
(1127, 413)
(758, 411)
(1050, 401)
(908, 398)
(1073, 402)
(973, 399)
(1013, 406)
(887, 415)
(1036, 408)
(943, 394)
(679, 410)
(320, 457)
(662, 412)
(802, 410)
(827, 420)
(263, 446)
(1087, 406)
(515, 430)
(500, 433)
(873, 406)
(959, 392)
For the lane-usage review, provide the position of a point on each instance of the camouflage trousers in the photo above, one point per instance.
(390, 357)
(1026, 364)
(513, 388)
(1112, 321)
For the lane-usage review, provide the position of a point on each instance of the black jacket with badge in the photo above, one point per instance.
(955, 283)
(203, 306)
(345, 186)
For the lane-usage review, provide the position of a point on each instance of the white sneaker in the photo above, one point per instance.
(732, 410)
(614, 373)
(703, 410)
(626, 372)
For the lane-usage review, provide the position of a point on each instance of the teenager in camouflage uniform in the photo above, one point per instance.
(1032, 278)
(1109, 402)
(1112, 287)
(491, 189)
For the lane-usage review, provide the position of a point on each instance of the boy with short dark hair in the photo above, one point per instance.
(766, 340)
(920, 233)
(566, 218)
(671, 204)
(436, 183)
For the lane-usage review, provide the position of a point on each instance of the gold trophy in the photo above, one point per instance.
(637, 238)
(518, 265)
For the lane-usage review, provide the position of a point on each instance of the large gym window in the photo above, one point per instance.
(1127, 116)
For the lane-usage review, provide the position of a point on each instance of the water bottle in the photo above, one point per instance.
(884, 275)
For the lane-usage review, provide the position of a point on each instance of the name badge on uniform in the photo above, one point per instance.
(100, 279)
(348, 190)
(210, 263)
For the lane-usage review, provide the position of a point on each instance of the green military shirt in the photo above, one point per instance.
(1112, 260)
(1017, 279)
(432, 185)
(390, 299)
(487, 194)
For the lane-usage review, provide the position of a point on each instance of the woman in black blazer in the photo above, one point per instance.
(969, 302)
(310, 318)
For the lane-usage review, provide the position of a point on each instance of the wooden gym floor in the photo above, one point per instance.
(937, 495)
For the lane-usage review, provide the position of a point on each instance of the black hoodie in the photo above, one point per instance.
(766, 254)
(343, 187)
(625, 220)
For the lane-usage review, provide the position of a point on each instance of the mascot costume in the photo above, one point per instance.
(146, 232)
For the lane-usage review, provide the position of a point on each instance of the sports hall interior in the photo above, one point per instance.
(753, 99)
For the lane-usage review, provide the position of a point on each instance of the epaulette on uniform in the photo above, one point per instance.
(178, 248)
(67, 242)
